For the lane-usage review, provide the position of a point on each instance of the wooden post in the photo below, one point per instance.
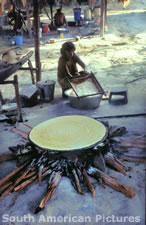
(51, 10)
(106, 12)
(1, 98)
(102, 18)
(31, 71)
(28, 20)
(37, 39)
(18, 101)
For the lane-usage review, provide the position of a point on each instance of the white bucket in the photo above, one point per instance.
(87, 14)
(40, 32)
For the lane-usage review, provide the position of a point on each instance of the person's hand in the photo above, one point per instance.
(85, 68)
(77, 73)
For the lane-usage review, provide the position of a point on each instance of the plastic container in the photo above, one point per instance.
(61, 35)
(77, 14)
(18, 40)
(45, 29)
(40, 32)
(87, 14)
(46, 90)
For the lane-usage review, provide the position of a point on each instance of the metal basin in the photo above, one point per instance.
(89, 102)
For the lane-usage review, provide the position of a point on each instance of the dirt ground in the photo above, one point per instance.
(117, 59)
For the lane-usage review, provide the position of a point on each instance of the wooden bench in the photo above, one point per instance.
(9, 70)
(119, 91)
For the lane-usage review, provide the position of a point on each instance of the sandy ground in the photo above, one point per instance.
(117, 59)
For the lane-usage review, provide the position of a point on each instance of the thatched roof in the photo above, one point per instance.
(7, 3)
(42, 3)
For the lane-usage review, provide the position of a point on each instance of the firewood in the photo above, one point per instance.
(48, 196)
(21, 132)
(90, 185)
(7, 191)
(15, 183)
(80, 175)
(46, 173)
(6, 156)
(77, 182)
(56, 178)
(99, 162)
(13, 174)
(137, 142)
(115, 163)
(112, 182)
(45, 168)
(29, 175)
(40, 174)
(25, 183)
(132, 159)
(117, 131)
(6, 186)
(132, 144)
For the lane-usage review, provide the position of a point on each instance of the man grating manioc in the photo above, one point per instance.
(67, 66)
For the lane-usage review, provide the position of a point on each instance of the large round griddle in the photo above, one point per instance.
(68, 133)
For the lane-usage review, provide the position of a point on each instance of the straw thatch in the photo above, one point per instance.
(7, 3)
(92, 3)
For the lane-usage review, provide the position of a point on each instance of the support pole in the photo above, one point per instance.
(51, 10)
(37, 39)
(102, 18)
(28, 19)
(31, 71)
(18, 101)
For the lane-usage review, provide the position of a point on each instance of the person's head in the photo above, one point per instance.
(59, 10)
(67, 50)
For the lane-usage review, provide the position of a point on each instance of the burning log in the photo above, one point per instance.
(89, 184)
(117, 131)
(46, 173)
(111, 161)
(40, 174)
(53, 184)
(80, 174)
(99, 162)
(76, 182)
(6, 156)
(112, 182)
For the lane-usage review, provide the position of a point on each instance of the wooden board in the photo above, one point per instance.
(68, 133)
(12, 68)
(86, 86)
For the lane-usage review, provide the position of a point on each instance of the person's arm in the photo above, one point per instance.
(65, 22)
(81, 63)
(68, 72)
(63, 70)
